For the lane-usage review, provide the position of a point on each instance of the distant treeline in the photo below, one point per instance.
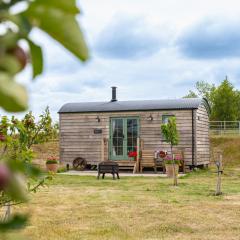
(224, 99)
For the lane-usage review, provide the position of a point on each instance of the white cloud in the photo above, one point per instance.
(165, 74)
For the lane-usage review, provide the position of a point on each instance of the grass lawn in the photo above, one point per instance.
(75, 207)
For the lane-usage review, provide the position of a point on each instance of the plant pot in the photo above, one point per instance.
(52, 167)
(169, 169)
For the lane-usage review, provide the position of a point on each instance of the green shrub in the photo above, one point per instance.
(62, 169)
(178, 162)
(51, 161)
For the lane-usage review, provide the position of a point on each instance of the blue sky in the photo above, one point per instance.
(148, 49)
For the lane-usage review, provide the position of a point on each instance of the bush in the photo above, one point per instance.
(177, 162)
(62, 169)
(51, 161)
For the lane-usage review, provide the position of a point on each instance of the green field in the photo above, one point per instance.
(75, 207)
(79, 207)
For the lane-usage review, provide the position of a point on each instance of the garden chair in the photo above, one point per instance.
(148, 160)
(180, 152)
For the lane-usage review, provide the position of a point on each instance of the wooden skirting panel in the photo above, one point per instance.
(125, 163)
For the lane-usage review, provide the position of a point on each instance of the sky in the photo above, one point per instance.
(149, 49)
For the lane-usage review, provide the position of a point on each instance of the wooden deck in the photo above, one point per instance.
(126, 164)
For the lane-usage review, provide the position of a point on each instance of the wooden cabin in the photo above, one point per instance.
(98, 131)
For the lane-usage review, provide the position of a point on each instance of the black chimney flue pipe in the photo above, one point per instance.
(114, 94)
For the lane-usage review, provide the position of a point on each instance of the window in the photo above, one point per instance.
(165, 118)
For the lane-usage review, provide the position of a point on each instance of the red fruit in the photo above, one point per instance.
(14, 121)
(5, 176)
(29, 122)
(20, 54)
(2, 138)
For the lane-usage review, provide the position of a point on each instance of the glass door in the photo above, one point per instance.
(132, 134)
(117, 139)
(123, 137)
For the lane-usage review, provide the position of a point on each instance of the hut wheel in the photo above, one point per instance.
(79, 163)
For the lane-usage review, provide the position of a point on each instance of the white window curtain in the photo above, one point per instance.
(113, 130)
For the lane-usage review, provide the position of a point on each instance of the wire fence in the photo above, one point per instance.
(224, 127)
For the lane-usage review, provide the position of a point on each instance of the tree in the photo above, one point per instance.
(58, 19)
(191, 94)
(224, 100)
(225, 105)
(203, 90)
(16, 140)
(41, 131)
(170, 134)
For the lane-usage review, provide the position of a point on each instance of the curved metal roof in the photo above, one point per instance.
(141, 105)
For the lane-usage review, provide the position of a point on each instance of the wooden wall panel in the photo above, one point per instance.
(202, 136)
(77, 136)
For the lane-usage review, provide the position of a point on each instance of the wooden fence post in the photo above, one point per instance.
(219, 174)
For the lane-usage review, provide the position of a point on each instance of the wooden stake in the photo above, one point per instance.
(219, 175)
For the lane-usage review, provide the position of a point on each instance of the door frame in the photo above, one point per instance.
(125, 156)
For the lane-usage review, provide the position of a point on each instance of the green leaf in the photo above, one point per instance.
(16, 189)
(36, 58)
(68, 6)
(10, 64)
(16, 222)
(27, 169)
(13, 96)
(9, 40)
(57, 18)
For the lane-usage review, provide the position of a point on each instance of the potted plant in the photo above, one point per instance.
(170, 134)
(172, 164)
(52, 164)
(133, 154)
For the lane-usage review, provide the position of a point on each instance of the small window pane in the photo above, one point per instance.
(165, 118)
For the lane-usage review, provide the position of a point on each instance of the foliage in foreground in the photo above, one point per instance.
(17, 174)
(45, 15)
(58, 19)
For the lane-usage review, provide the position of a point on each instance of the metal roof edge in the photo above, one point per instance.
(143, 110)
(206, 105)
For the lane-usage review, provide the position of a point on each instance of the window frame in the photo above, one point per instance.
(164, 116)
(163, 122)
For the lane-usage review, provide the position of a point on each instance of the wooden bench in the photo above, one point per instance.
(108, 167)
(148, 160)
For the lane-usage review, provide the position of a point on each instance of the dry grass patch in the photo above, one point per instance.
(230, 146)
(80, 207)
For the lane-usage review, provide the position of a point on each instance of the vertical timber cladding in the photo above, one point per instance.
(152, 137)
(81, 136)
(202, 136)
(77, 137)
